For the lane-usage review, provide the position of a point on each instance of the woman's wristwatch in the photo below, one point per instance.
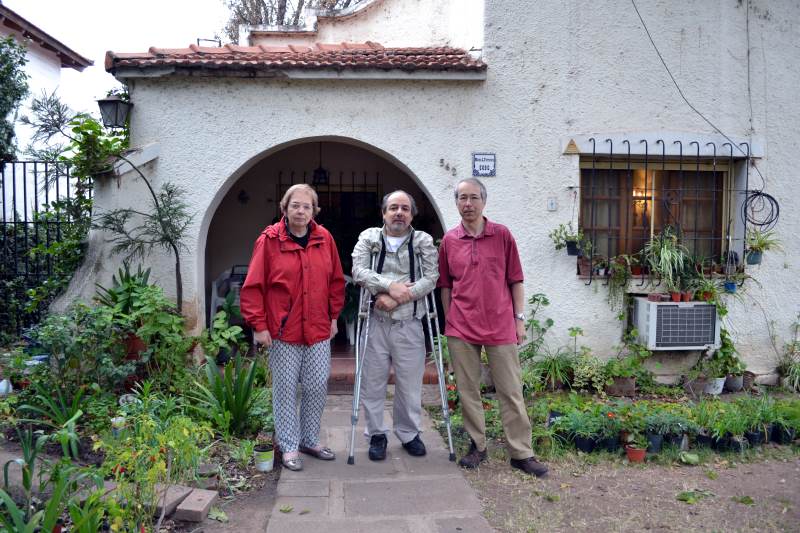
(520, 316)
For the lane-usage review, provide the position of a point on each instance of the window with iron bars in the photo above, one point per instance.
(624, 202)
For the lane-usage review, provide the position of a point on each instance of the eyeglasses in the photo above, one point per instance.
(297, 206)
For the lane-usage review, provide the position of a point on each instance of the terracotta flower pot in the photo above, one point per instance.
(687, 296)
(676, 296)
(134, 346)
(635, 455)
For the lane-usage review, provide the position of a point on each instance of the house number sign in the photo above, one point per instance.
(483, 164)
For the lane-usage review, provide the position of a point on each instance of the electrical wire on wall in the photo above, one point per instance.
(759, 209)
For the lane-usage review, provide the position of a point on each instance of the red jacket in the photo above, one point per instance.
(291, 291)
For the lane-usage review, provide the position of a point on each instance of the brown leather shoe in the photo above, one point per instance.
(530, 466)
(473, 457)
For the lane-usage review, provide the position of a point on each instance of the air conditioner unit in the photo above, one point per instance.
(676, 326)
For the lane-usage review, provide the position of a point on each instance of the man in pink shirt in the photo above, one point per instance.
(480, 277)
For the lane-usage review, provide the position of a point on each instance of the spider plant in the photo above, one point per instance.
(666, 257)
(553, 369)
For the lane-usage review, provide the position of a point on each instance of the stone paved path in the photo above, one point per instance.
(401, 494)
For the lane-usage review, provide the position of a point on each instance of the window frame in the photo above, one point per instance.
(624, 228)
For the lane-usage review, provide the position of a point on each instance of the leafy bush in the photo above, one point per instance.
(586, 424)
(150, 451)
(226, 399)
(221, 336)
(261, 415)
(83, 347)
(588, 373)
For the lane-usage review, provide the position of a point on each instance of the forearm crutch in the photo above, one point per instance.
(364, 304)
(432, 317)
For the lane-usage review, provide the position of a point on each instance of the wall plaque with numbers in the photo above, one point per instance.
(483, 164)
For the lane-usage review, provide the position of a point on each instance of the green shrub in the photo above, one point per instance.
(226, 399)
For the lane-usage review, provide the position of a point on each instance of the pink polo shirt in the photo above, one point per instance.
(479, 271)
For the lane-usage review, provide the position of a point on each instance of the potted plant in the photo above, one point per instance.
(619, 276)
(553, 369)
(609, 429)
(564, 236)
(666, 257)
(706, 288)
(758, 242)
(715, 372)
(704, 414)
(621, 375)
(264, 454)
(730, 363)
(728, 430)
(688, 280)
(655, 423)
(759, 414)
(632, 421)
(787, 421)
(677, 427)
(582, 427)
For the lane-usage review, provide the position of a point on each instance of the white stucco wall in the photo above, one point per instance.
(44, 73)
(455, 23)
(557, 70)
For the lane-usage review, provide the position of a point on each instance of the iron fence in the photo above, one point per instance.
(32, 195)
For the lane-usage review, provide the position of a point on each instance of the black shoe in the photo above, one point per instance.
(530, 466)
(415, 447)
(377, 447)
(473, 457)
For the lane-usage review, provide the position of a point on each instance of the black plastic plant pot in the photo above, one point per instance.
(782, 434)
(737, 444)
(585, 444)
(654, 442)
(572, 248)
(552, 416)
(704, 440)
(562, 436)
(674, 439)
(755, 438)
(721, 444)
(223, 357)
(609, 444)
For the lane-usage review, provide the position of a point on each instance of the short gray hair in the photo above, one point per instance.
(474, 181)
(304, 187)
(384, 203)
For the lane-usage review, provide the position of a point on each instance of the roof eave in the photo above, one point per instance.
(122, 73)
(380, 74)
(68, 57)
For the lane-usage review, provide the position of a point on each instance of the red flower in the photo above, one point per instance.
(611, 415)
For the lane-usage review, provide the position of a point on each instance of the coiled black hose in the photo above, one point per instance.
(761, 210)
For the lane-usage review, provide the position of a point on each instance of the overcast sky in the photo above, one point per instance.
(91, 27)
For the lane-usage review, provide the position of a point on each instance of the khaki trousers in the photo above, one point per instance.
(505, 367)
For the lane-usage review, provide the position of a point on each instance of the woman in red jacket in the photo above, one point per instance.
(291, 298)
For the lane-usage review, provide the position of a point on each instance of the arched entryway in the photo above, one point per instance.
(350, 178)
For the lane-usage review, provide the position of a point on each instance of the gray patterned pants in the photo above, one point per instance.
(309, 366)
(402, 345)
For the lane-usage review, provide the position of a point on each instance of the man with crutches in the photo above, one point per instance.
(398, 267)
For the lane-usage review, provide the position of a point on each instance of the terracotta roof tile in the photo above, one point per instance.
(357, 56)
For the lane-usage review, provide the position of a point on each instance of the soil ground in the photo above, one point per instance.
(605, 493)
